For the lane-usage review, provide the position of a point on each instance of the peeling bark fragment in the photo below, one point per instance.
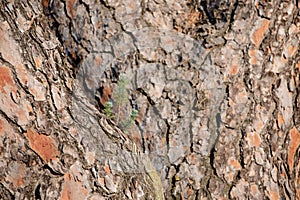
(36, 85)
(8, 47)
(294, 144)
(6, 82)
(273, 192)
(43, 145)
(253, 139)
(73, 189)
(262, 25)
(17, 174)
(13, 101)
(286, 107)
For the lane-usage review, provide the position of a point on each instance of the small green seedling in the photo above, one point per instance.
(124, 125)
(134, 114)
(108, 110)
(121, 97)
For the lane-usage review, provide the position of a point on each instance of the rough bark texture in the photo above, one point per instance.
(215, 83)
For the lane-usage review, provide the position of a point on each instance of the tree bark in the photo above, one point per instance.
(215, 85)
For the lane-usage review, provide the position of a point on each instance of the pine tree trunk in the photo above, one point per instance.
(149, 99)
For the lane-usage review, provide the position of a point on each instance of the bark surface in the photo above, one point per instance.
(149, 99)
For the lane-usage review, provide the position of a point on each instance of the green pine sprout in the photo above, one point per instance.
(134, 114)
(121, 97)
(108, 109)
(130, 121)
(120, 93)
